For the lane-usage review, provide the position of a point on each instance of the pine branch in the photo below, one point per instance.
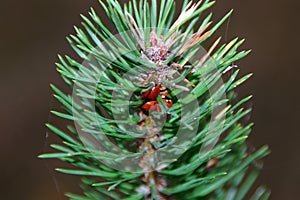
(181, 136)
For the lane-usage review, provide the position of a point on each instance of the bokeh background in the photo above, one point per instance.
(33, 32)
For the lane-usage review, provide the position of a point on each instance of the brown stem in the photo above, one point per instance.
(147, 163)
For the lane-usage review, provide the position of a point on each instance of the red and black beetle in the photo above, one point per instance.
(151, 104)
(167, 101)
(154, 105)
(152, 93)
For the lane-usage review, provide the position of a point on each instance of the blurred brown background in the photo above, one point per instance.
(33, 32)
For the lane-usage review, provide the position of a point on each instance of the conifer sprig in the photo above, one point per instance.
(154, 48)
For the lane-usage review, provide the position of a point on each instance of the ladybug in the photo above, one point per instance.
(167, 101)
(152, 93)
(151, 106)
(154, 105)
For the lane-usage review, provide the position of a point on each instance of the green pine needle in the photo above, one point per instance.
(216, 162)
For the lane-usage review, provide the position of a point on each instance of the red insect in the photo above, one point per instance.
(152, 93)
(167, 101)
(154, 105)
(151, 106)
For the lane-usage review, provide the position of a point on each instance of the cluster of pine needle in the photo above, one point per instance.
(152, 70)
